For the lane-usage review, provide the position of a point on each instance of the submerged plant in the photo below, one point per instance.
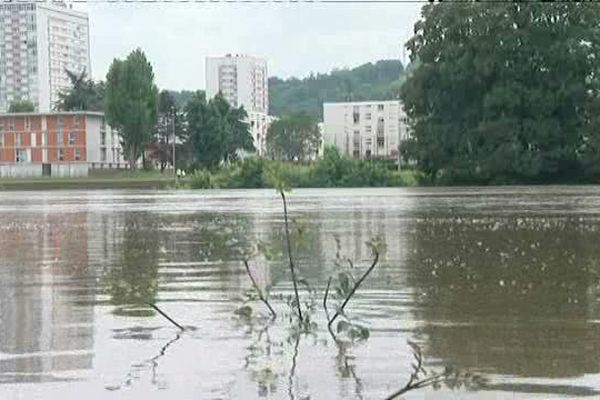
(346, 287)
(450, 377)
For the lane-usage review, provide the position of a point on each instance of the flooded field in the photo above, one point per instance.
(502, 282)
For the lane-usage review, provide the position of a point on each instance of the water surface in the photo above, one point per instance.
(498, 281)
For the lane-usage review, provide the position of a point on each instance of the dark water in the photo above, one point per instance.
(502, 282)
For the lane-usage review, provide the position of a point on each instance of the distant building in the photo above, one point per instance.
(259, 127)
(57, 143)
(365, 130)
(38, 42)
(243, 81)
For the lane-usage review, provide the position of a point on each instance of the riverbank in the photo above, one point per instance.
(121, 180)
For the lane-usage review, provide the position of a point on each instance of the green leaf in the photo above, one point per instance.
(342, 326)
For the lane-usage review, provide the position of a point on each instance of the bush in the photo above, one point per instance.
(334, 170)
(201, 179)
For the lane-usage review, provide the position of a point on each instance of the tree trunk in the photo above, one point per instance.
(132, 159)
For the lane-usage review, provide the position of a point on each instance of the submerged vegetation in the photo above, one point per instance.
(294, 317)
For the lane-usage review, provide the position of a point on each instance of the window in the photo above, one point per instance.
(77, 154)
(356, 115)
(368, 116)
(61, 154)
(18, 139)
(380, 142)
(77, 121)
(1, 125)
(102, 138)
(44, 138)
(21, 156)
(27, 123)
(380, 107)
(59, 137)
(103, 155)
(72, 137)
(11, 124)
(1, 139)
(368, 129)
(33, 139)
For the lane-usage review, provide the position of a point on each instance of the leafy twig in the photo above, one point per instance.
(449, 376)
(261, 296)
(161, 312)
(291, 259)
(355, 288)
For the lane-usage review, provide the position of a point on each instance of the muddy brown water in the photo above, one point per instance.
(503, 282)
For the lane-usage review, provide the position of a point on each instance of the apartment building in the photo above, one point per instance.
(38, 42)
(59, 143)
(243, 81)
(367, 129)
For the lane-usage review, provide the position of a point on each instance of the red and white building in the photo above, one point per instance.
(57, 144)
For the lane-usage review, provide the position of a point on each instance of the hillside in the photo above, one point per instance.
(379, 81)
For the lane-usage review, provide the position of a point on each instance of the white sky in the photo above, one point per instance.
(296, 39)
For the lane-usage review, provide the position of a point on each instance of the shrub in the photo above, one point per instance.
(200, 179)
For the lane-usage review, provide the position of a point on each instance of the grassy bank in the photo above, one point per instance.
(104, 180)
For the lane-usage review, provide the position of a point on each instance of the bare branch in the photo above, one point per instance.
(161, 312)
(258, 291)
(325, 298)
(291, 260)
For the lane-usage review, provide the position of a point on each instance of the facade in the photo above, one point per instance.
(365, 130)
(64, 144)
(243, 81)
(259, 126)
(38, 42)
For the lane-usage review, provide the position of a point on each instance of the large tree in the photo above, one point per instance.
(293, 137)
(83, 95)
(502, 90)
(216, 131)
(132, 103)
(21, 106)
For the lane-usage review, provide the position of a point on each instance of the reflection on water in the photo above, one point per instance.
(499, 281)
(43, 334)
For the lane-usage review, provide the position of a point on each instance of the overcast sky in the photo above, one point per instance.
(296, 39)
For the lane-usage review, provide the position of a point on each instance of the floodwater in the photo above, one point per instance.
(501, 282)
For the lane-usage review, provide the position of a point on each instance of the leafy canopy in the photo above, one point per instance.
(216, 131)
(21, 106)
(83, 95)
(503, 91)
(294, 137)
(132, 102)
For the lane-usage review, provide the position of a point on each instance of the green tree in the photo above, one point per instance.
(21, 106)
(83, 95)
(293, 137)
(216, 131)
(132, 103)
(501, 90)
